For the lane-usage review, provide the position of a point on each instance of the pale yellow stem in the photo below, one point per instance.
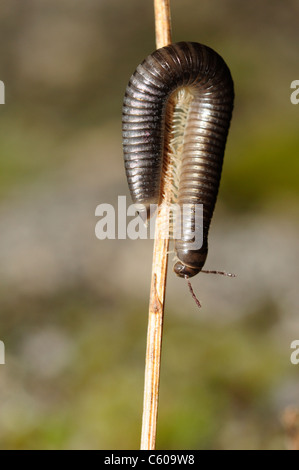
(159, 271)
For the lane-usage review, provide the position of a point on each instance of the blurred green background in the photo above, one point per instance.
(73, 312)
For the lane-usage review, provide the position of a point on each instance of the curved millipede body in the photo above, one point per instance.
(206, 79)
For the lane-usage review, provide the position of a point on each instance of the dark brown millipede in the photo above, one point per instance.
(206, 110)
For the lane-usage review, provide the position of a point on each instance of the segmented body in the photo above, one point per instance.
(208, 86)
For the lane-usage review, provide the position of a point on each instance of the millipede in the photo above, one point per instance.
(201, 82)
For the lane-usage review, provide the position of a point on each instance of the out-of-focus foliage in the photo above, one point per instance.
(73, 309)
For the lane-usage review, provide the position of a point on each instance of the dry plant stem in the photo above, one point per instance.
(159, 271)
(162, 22)
(154, 343)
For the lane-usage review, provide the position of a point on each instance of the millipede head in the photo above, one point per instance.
(184, 271)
